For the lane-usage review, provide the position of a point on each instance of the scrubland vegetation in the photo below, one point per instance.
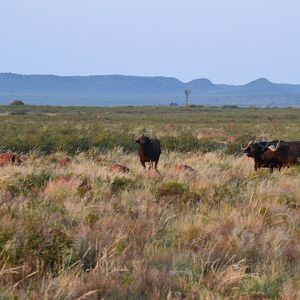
(83, 232)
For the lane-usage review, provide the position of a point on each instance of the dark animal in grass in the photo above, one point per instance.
(119, 169)
(287, 153)
(149, 151)
(256, 150)
(184, 169)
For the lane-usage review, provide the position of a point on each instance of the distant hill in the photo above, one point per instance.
(263, 86)
(203, 85)
(139, 90)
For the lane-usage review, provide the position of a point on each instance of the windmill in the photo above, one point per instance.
(187, 94)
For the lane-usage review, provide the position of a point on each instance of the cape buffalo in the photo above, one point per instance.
(287, 153)
(256, 150)
(149, 151)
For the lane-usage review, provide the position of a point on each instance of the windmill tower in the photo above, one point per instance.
(187, 95)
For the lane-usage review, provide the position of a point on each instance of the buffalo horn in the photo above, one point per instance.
(273, 148)
(244, 148)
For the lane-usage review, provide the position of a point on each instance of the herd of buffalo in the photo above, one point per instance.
(266, 154)
(274, 154)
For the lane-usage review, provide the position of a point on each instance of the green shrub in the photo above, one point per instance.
(16, 102)
(233, 148)
(31, 183)
(55, 245)
(6, 235)
(186, 269)
(91, 216)
(86, 254)
(171, 189)
(187, 142)
(122, 183)
(43, 237)
(192, 197)
(257, 287)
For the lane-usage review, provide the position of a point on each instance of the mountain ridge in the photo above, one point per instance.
(119, 89)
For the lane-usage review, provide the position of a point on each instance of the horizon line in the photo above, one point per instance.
(144, 76)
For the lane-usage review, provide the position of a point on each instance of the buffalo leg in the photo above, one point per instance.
(143, 164)
(155, 166)
(271, 168)
(150, 165)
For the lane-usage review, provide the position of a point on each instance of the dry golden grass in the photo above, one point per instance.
(84, 232)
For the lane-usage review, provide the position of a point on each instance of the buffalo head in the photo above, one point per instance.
(255, 149)
(142, 140)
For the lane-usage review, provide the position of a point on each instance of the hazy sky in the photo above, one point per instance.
(228, 41)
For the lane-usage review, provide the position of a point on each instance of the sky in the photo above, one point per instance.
(230, 41)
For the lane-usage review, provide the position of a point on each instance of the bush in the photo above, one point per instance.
(192, 197)
(256, 286)
(30, 183)
(16, 102)
(6, 235)
(122, 183)
(171, 189)
(86, 253)
(233, 148)
(48, 244)
(187, 142)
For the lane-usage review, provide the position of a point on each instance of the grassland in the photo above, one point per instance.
(83, 232)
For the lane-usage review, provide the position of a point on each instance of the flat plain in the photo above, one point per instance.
(80, 231)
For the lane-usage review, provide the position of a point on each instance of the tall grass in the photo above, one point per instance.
(224, 232)
(80, 231)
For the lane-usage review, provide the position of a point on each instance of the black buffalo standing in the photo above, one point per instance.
(256, 150)
(287, 153)
(149, 151)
